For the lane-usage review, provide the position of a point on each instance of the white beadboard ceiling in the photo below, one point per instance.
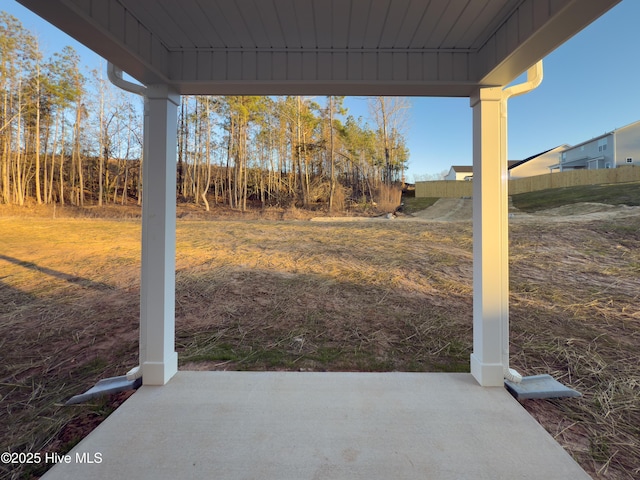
(341, 47)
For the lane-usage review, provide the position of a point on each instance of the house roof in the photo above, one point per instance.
(462, 168)
(517, 163)
(330, 47)
(603, 135)
(510, 163)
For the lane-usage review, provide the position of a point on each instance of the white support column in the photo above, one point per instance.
(158, 358)
(490, 238)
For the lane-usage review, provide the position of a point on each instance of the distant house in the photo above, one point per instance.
(465, 172)
(537, 164)
(614, 149)
(460, 172)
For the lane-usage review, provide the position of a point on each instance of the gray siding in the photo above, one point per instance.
(628, 145)
(591, 155)
(607, 151)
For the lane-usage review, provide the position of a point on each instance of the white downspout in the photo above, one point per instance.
(534, 78)
(115, 77)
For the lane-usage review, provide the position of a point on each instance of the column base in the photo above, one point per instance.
(487, 374)
(159, 373)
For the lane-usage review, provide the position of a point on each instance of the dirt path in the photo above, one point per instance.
(578, 212)
(448, 210)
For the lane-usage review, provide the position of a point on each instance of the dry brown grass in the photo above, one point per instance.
(68, 316)
(576, 315)
(334, 292)
(388, 197)
(295, 295)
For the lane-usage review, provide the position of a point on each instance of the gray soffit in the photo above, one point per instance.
(339, 47)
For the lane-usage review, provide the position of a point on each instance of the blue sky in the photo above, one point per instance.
(591, 86)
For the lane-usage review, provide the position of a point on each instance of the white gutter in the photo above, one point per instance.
(115, 77)
(534, 79)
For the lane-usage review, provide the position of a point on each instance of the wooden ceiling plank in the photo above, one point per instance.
(376, 22)
(428, 23)
(290, 24)
(341, 22)
(323, 22)
(174, 22)
(394, 23)
(358, 19)
(268, 15)
(414, 13)
(467, 28)
(241, 31)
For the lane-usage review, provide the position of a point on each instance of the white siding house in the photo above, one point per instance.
(538, 164)
(614, 149)
(460, 172)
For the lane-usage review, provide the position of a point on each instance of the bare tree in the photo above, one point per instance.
(335, 106)
(391, 115)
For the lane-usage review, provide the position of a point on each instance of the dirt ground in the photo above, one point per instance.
(289, 294)
(460, 209)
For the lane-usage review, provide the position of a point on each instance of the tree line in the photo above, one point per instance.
(70, 137)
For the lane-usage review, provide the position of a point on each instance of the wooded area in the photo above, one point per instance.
(71, 138)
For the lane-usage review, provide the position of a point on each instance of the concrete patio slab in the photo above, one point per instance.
(288, 425)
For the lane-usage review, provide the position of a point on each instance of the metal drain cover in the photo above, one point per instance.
(539, 386)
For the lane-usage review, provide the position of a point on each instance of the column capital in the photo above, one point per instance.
(488, 94)
(161, 91)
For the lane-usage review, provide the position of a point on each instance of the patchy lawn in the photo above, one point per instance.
(609, 194)
(297, 295)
